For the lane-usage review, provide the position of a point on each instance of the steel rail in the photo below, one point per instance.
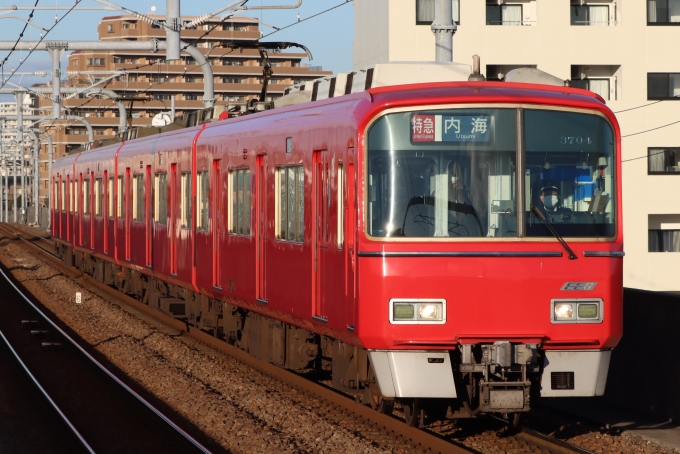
(41, 389)
(143, 401)
(395, 426)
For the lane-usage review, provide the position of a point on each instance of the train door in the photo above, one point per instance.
(261, 213)
(79, 208)
(128, 212)
(321, 200)
(217, 222)
(350, 241)
(148, 216)
(172, 202)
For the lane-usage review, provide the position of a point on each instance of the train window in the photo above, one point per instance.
(121, 198)
(161, 202)
(63, 196)
(443, 174)
(86, 196)
(290, 203)
(341, 207)
(239, 203)
(569, 173)
(98, 194)
(138, 197)
(109, 195)
(202, 198)
(72, 196)
(186, 201)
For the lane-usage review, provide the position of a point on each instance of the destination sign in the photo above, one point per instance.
(450, 128)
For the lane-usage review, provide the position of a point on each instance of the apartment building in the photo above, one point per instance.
(153, 85)
(620, 49)
(12, 150)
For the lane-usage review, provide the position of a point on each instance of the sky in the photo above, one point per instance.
(329, 36)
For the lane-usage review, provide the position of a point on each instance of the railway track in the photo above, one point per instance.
(97, 411)
(377, 428)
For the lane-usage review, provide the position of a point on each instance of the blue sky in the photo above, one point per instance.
(329, 36)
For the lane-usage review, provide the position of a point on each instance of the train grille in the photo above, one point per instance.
(562, 380)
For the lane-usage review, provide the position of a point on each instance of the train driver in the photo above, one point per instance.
(551, 204)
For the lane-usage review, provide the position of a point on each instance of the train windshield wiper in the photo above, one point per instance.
(552, 230)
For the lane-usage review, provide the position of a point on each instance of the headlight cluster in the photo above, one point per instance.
(417, 311)
(576, 311)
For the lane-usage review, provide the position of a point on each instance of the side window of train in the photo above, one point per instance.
(63, 196)
(161, 199)
(290, 203)
(98, 194)
(341, 206)
(71, 196)
(239, 201)
(138, 198)
(86, 196)
(202, 198)
(186, 201)
(109, 194)
(121, 198)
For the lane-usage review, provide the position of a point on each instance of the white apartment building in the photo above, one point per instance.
(620, 49)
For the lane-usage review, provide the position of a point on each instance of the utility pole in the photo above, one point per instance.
(443, 28)
(172, 28)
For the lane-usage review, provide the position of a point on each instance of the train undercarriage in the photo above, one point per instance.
(497, 378)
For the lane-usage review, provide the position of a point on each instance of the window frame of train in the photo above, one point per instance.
(109, 196)
(203, 200)
(289, 228)
(121, 197)
(138, 197)
(63, 195)
(85, 191)
(239, 201)
(98, 196)
(340, 197)
(422, 18)
(161, 198)
(185, 201)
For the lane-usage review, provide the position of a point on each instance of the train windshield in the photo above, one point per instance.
(569, 173)
(454, 174)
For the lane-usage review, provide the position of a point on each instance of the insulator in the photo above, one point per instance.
(201, 20)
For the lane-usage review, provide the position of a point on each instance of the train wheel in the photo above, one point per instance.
(414, 415)
(373, 397)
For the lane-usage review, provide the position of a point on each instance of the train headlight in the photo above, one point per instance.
(577, 310)
(564, 311)
(417, 311)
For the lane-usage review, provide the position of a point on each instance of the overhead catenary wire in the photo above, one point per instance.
(299, 21)
(42, 38)
(21, 35)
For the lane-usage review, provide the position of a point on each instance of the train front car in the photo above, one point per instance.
(490, 247)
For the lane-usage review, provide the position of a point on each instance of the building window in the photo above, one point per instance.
(504, 15)
(96, 61)
(594, 15)
(663, 12)
(598, 86)
(425, 12)
(185, 203)
(161, 199)
(128, 26)
(162, 97)
(158, 24)
(233, 80)
(663, 85)
(109, 28)
(662, 161)
(98, 194)
(664, 240)
(239, 205)
(192, 79)
(191, 97)
(191, 61)
(226, 62)
(290, 203)
(202, 198)
(162, 79)
(235, 98)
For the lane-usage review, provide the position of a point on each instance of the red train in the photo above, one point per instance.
(453, 246)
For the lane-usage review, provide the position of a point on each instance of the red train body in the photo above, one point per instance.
(309, 216)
